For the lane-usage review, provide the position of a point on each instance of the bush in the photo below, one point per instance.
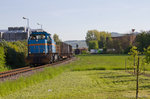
(15, 53)
(84, 52)
(2, 59)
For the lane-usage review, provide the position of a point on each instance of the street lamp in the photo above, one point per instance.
(27, 25)
(40, 25)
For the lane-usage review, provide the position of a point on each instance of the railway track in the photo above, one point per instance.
(26, 69)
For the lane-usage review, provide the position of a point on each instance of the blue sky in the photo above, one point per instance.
(71, 19)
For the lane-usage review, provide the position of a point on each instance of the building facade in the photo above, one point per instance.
(14, 34)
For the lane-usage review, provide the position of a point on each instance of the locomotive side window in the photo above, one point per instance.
(32, 37)
(38, 36)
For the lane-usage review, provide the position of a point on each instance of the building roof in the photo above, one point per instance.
(3, 30)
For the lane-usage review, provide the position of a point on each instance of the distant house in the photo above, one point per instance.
(81, 43)
(128, 37)
(122, 43)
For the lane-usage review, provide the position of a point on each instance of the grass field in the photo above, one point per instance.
(96, 84)
(90, 77)
(104, 62)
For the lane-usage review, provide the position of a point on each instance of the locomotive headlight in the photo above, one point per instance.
(29, 52)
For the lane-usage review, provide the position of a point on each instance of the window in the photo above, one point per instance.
(37, 36)
(48, 38)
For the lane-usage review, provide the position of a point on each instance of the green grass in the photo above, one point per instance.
(90, 76)
(96, 84)
(100, 62)
(105, 62)
(2, 69)
(9, 87)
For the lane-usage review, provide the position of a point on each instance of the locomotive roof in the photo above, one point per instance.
(41, 33)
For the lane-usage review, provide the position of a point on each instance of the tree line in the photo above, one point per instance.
(143, 40)
(102, 40)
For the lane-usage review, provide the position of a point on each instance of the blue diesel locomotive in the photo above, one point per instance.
(42, 49)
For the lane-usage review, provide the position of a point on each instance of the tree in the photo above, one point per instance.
(91, 35)
(93, 44)
(134, 54)
(104, 36)
(109, 42)
(117, 45)
(99, 36)
(56, 38)
(147, 55)
(142, 40)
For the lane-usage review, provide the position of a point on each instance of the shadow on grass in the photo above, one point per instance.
(103, 55)
(99, 68)
(145, 87)
(118, 69)
(104, 72)
(122, 81)
(86, 69)
(96, 68)
(121, 68)
(120, 76)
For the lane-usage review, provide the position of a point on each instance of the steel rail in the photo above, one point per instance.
(13, 70)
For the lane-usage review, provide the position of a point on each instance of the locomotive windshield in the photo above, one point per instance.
(37, 36)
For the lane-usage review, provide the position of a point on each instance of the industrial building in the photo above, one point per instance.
(14, 34)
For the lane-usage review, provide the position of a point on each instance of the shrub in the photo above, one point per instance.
(84, 52)
(15, 53)
(2, 58)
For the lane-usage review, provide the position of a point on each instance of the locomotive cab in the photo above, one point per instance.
(37, 44)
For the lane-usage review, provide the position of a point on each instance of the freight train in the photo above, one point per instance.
(42, 49)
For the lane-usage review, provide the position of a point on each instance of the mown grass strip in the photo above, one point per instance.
(85, 63)
(92, 84)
